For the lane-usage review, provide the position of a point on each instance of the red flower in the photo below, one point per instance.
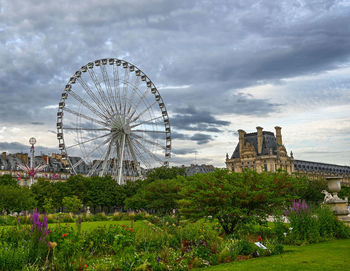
(131, 229)
(64, 235)
(85, 265)
(260, 239)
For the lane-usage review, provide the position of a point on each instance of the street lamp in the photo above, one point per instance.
(32, 142)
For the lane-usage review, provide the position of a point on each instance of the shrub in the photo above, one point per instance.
(100, 217)
(277, 249)
(305, 227)
(329, 226)
(243, 247)
(64, 217)
(151, 239)
(124, 240)
(13, 257)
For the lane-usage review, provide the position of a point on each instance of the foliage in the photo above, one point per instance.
(8, 180)
(165, 173)
(48, 205)
(145, 246)
(310, 188)
(235, 199)
(16, 199)
(344, 192)
(72, 204)
(160, 195)
(312, 227)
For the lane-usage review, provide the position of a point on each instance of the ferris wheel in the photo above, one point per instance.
(112, 119)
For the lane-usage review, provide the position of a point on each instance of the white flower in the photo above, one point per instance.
(285, 234)
(290, 228)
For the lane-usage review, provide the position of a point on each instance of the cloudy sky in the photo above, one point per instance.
(219, 65)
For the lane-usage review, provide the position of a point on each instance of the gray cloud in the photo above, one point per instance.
(37, 123)
(16, 147)
(181, 151)
(214, 48)
(201, 138)
(191, 119)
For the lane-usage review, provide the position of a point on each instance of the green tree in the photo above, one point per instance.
(165, 173)
(72, 204)
(235, 199)
(104, 192)
(7, 179)
(16, 199)
(41, 190)
(310, 188)
(48, 205)
(160, 195)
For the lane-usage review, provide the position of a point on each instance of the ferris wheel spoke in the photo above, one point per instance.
(150, 142)
(143, 96)
(97, 163)
(140, 155)
(87, 141)
(133, 92)
(108, 88)
(100, 90)
(144, 149)
(90, 153)
(146, 121)
(96, 100)
(84, 116)
(144, 111)
(87, 105)
(150, 131)
(116, 86)
(131, 148)
(125, 88)
(85, 129)
(104, 164)
(94, 167)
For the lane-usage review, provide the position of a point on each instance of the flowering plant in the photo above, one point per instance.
(298, 206)
(40, 228)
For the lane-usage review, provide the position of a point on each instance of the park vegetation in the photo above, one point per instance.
(169, 221)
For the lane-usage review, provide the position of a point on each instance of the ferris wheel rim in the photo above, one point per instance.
(103, 121)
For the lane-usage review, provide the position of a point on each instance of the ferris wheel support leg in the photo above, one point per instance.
(120, 170)
(134, 157)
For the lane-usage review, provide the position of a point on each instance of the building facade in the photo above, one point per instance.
(264, 151)
(260, 151)
(55, 170)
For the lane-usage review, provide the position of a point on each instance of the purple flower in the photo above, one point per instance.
(39, 228)
(298, 206)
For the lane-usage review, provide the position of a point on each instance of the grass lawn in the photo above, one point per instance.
(86, 226)
(333, 255)
(95, 224)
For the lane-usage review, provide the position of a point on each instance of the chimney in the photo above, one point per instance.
(278, 135)
(241, 134)
(260, 138)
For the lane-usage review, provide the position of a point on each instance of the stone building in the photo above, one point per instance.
(55, 169)
(263, 151)
(260, 151)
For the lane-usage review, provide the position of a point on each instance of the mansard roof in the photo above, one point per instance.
(269, 142)
(309, 166)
